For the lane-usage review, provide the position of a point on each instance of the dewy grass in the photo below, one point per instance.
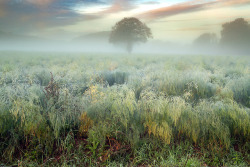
(133, 110)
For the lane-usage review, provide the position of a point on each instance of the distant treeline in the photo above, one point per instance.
(235, 38)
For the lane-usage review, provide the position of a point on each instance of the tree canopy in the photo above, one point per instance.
(236, 34)
(129, 31)
(206, 39)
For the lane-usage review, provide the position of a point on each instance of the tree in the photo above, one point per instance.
(236, 35)
(206, 43)
(206, 40)
(129, 31)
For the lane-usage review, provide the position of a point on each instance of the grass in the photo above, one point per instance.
(72, 109)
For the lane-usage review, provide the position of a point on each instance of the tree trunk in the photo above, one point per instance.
(129, 47)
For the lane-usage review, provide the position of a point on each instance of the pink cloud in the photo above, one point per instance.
(40, 3)
(2, 9)
(188, 7)
(117, 6)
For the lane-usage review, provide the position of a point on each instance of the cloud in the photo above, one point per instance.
(2, 11)
(27, 16)
(40, 3)
(187, 7)
(68, 3)
(3, 8)
(180, 8)
(115, 6)
(233, 2)
(151, 2)
(119, 5)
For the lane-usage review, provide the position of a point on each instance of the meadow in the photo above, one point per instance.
(85, 109)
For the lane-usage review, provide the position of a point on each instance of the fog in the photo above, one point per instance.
(177, 27)
(235, 40)
(99, 46)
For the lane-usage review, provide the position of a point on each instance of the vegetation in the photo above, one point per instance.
(206, 40)
(234, 40)
(115, 110)
(129, 31)
(236, 34)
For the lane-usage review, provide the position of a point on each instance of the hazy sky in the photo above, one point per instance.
(174, 20)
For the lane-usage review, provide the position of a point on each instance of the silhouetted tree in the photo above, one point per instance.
(129, 31)
(236, 34)
(206, 39)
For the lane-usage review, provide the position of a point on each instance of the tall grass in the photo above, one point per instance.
(124, 110)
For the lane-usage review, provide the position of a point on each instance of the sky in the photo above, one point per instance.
(169, 20)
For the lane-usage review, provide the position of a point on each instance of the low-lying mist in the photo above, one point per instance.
(234, 40)
(99, 46)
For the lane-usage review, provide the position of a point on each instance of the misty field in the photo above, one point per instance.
(124, 110)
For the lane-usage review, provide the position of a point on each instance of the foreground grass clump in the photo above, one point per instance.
(121, 110)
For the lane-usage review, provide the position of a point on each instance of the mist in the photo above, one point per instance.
(178, 27)
(234, 39)
(124, 83)
(103, 46)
